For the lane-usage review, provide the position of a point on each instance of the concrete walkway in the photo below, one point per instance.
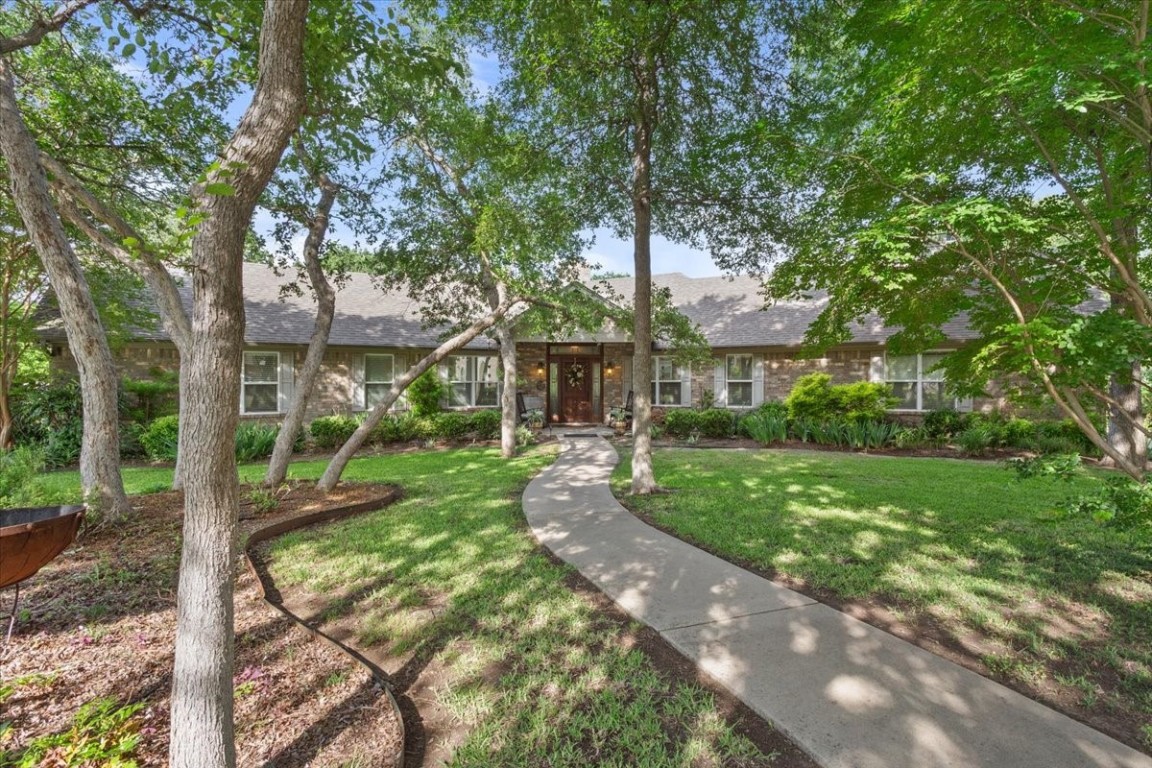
(849, 694)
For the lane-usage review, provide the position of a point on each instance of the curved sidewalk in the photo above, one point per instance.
(850, 695)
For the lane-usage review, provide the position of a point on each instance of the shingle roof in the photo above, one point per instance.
(728, 310)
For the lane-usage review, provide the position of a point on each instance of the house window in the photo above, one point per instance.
(260, 387)
(473, 381)
(378, 374)
(915, 384)
(666, 382)
(738, 373)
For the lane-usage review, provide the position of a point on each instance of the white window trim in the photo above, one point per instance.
(368, 382)
(919, 381)
(750, 381)
(472, 380)
(244, 383)
(678, 378)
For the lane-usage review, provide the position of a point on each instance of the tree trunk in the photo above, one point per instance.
(145, 262)
(1123, 435)
(340, 461)
(100, 449)
(643, 478)
(202, 724)
(317, 345)
(509, 417)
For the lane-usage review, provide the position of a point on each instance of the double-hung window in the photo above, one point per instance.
(667, 382)
(915, 384)
(738, 380)
(378, 375)
(473, 381)
(260, 383)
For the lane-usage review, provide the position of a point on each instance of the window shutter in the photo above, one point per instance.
(686, 385)
(626, 367)
(757, 380)
(287, 381)
(876, 369)
(356, 380)
(720, 388)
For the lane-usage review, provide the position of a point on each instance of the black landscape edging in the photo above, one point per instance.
(270, 595)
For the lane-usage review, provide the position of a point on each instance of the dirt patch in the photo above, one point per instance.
(99, 621)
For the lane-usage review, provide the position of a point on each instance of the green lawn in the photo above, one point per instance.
(535, 675)
(1057, 602)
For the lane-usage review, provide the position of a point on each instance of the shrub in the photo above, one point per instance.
(332, 431)
(451, 425)
(814, 396)
(1122, 502)
(404, 428)
(682, 422)
(715, 422)
(861, 400)
(765, 428)
(486, 424)
(944, 423)
(524, 436)
(977, 439)
(425, 393)
(811, 397)
(1018, 433)
(255, 440)
(50, 415)
(18, 468)
(154, 396)
(160, 439)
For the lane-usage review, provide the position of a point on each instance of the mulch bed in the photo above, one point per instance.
(99, 621)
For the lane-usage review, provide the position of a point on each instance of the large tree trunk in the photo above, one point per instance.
(202, 714)
(340, 461)
(509, 417)
(317, 345)
(100, 449)
(145, 262)
(643, 478)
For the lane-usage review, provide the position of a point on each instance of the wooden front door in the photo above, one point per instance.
(576, 389)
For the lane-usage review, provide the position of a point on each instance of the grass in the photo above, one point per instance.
(1054, 600)
(451, 577)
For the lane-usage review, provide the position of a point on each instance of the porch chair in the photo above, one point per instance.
(621, 414)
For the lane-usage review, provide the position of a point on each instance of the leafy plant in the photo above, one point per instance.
(977, 439)
(766, 428)
(255, 440)
(103, 733)
(1122, 502)
(263, 500)
(18, 468)
(332, 431)
(425, 394)
(486, 424)
(814, 396)
(681, 422)
(160, 439)
(154, 396)
(707, 399)
(944, 423)
(1061, 465)
(452, 425)
(811, 397)
(715, 423)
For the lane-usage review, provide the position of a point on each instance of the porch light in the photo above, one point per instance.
(609, 367)
(540, 367)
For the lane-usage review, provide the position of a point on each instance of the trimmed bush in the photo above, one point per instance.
(451, 425)
(160, 439)
(715, 422)
(815, 397)
(944, 423)
(486, 424)
(332, 431)
(811, 397)
(682, 422)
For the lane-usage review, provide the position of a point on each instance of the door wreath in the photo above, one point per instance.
(575, 375)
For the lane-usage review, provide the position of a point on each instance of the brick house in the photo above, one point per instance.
(377, 334)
